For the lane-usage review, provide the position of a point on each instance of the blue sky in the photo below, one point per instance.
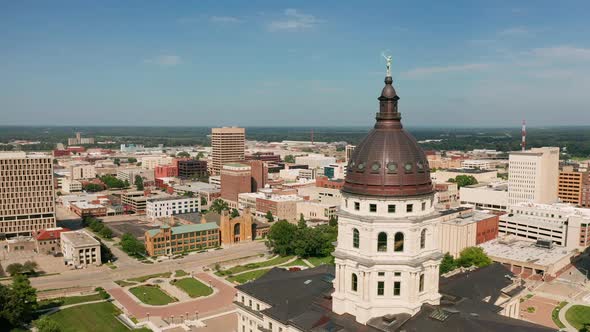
(300, 63)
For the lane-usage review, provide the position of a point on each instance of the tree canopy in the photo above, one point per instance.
(139, 182)
(289, 158)
(470, 256)
(17, 302)
(219, 206)
(269, 216)
(112, 182)
(464, 180)
(183, 154)
(285, 238)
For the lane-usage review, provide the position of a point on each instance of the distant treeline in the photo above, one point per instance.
(576, 140)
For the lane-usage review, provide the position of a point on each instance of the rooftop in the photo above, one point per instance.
(187, 228)
(524, 251)
(80, 238)
(468, 170)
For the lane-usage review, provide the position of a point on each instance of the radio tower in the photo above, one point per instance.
(523, 143)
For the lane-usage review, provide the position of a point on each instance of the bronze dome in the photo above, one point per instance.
(388, 162)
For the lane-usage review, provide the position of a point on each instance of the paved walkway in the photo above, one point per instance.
(220, 302)
(267, 267)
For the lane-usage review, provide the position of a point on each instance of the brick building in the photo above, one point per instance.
(325, 182)
(259, 173)
(165, 171)
(168, 240)
(235, 179)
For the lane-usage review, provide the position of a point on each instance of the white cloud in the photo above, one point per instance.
(426, 71)
(224, 19)
(293, 20)
(165, 60)
(570, 53)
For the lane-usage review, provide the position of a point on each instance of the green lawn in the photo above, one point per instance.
(271, 262)
(180, 273)
(248, 276)
(151, 276)
(87, 318)
(193, 287)
(578, 316)
(151, 295)
(68, 300)
(555, 314)
(316, 261)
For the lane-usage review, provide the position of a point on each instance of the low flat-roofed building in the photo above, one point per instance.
(467, 230)
(480, 175)
(70, 186)
(562, 224)
(321, 194)
(165, 207)
(80, 249)
(485, 164)
(86, 209)
(447, 195)
(312, 210)
(525, 259)
(168, 240)
(486, 196)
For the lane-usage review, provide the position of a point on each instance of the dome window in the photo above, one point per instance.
(361, 167)
(420, 166)
(391, 167)
(408, 167)
(375, 167)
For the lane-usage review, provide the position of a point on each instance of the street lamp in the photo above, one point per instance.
(148, 316)
(196, 315)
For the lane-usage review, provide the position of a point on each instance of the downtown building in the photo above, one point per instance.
(533, 176)
(227, 146)
(387, 257)
(27, 201)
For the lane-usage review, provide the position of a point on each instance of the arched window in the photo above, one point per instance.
(423, 239)
(354, 282)
(355, 238)
(421, 284)
(382, 242)
(398, 240)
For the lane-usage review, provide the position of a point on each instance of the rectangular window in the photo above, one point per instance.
(397, 274)
(381, 274)
(391, 208)
(357, 206)
(409, 207)
(423, 206)
(397, 288)
(380, 288)
(421, 287)
(373, 207)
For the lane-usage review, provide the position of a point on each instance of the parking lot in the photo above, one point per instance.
(134, 226)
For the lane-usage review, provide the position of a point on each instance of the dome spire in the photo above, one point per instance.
(388, 115)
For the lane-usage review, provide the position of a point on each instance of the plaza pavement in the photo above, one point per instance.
(219, 302)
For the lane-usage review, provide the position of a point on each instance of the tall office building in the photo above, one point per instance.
(349, 150)
(235, 179)
(27, 202)
(570, 186)
(228, 145)
(533, 175)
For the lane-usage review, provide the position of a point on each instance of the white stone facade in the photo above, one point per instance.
(387, 259)
(169, 206)
(533, 176)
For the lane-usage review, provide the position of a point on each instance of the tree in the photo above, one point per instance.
(471, 256)
(132, 246)
(106, 233)
(126, 184)
(199, 155)
(138, 182)
(234, 213)
(46, 324)
(131, 160)
(30, 266)
(280, 238)
(18, 301)
(14, 269)
(112, 182)
(203, 201)
(183, 154)
(219, 206)
(289, 158)
(333, 221)
(117, 161)
(188, 194)
(448, 264)
(465, 180)
(93, 187)
(302, 223)
(269, 217)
